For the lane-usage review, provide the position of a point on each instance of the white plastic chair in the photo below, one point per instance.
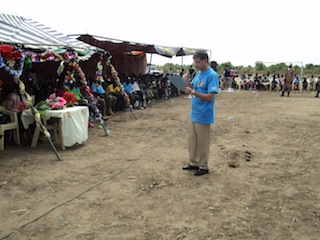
(239, 83)
(13, 125)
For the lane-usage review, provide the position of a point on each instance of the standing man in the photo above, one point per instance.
(203, 88)
(226, 78)
(287, 82)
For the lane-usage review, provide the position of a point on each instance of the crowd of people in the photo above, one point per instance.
(113, 92)
(286, 81)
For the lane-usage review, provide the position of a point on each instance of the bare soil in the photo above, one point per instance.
(264, 180)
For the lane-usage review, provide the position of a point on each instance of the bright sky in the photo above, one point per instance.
(240, 31)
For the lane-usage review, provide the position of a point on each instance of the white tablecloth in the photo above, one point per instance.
(74, 123)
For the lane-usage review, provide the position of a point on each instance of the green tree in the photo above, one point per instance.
(309, 66)
(278, 68)
(260, 67)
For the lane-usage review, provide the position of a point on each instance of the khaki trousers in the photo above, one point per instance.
(199, 144)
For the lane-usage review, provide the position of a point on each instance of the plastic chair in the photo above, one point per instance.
(13, 125)
(299, 86)
(309, 87)
(277, 85)
(239, 83)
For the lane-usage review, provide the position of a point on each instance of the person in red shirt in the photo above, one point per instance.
(13, 101)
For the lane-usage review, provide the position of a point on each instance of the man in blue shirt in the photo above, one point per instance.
(203, 88)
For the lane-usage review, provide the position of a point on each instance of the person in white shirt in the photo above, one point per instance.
(137, 90)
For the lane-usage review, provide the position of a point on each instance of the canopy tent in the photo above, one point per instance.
(22, 34)
(120, 49)
(115, 46)
(18, 30)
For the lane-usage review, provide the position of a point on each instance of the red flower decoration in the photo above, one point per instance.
(70, 97)
(9, 52)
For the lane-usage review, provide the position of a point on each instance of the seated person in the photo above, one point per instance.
(110, 97)
(127, 86)
(257, 80)
(311, 82)
(13, 101)
(280, 79)
(163, 89)
(304, 84)
(248, 83)
(150, 93)
(274, 83)
(265, 83)
(296, 83)
(135, 89)
(99, 92)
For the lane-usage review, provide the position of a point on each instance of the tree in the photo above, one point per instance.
(260, 66)
(309, 66)
(277, 68)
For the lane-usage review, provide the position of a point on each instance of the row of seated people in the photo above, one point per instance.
(274, 83)
(140, 90)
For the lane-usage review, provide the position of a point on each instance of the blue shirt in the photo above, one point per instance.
(127, 87)
(97, 89)
(204, 82)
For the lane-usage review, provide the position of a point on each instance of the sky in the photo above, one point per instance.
(239, 31)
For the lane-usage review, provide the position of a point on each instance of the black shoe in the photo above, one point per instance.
(201, 171)
(190, 167)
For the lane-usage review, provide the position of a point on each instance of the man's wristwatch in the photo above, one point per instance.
(193, 92)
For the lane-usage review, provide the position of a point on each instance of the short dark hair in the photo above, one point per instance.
(202, 55)
(214, 65)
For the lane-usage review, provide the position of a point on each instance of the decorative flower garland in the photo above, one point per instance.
(99, 69)
(69, 79)
(75, 69)
(88, 94)
(16, 77)
(11, 70)
(70, 57)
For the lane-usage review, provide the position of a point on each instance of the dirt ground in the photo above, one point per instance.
(264, 180)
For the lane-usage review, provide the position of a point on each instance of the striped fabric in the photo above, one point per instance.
(19, 30)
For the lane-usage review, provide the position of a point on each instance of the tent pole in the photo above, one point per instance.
(149, 68)
(150, 64)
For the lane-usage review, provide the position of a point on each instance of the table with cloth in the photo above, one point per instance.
(71, 123)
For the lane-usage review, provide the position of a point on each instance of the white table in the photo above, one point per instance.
(71, 122)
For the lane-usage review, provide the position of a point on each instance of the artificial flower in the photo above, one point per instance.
(70, 98)
(56, 102)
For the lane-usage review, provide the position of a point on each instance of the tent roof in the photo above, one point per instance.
(115, 46)
(20, 30)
